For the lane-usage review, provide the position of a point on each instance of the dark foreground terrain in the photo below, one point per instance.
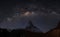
(25, 33)
(19, 33)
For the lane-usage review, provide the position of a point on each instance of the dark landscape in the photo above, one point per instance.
(27, 33)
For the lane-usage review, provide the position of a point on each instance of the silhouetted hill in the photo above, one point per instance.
(54, 32)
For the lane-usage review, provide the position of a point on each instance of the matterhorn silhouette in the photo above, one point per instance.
(31, 27)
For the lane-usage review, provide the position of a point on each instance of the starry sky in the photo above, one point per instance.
(16, 14)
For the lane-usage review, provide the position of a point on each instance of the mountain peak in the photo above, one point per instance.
(32, 28)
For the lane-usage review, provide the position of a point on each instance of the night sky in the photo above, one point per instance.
(16, 14)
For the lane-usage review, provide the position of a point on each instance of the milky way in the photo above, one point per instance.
(15, 15)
